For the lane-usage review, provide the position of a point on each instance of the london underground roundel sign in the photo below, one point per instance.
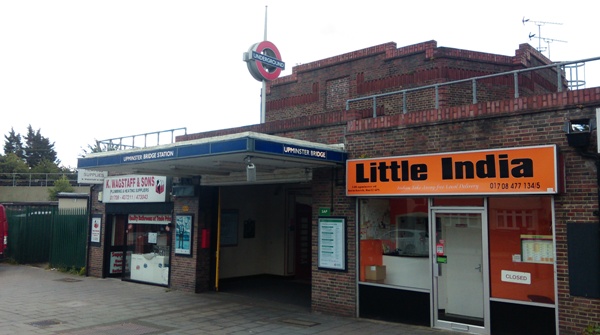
(264, 61)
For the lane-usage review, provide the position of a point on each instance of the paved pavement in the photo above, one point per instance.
(36, 300)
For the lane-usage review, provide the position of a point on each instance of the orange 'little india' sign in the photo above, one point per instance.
(526, 170)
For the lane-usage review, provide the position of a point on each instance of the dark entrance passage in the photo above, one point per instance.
(269, 288)
(303, 241)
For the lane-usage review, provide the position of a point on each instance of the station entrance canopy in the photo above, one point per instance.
(223, 160)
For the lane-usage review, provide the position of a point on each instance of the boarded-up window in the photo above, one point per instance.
(338, 91)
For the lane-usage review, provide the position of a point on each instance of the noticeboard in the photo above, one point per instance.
(184, 225)
(537, 249)
(332, 243)
(96, 230)
(229, 228)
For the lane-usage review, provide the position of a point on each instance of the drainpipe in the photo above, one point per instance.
(87, 242)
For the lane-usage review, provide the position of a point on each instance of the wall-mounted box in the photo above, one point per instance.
(184, 190)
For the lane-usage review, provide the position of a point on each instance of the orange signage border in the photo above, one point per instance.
(524, 170)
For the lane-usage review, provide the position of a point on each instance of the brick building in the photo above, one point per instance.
(443, 177)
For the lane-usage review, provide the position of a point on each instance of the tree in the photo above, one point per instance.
(47, 170)
(38, 148)
(45, 166)
(60, 185)
(11, 163)
(10, 168)
(38, 156)
(14, 144)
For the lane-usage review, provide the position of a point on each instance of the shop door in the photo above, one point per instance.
(114, 245)
(460, 294)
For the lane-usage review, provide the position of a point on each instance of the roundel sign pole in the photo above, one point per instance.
(264, 63)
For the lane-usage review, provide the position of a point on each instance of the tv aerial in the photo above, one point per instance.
(539, 34)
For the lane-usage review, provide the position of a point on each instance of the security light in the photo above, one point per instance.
(579, 132)
(250, 170)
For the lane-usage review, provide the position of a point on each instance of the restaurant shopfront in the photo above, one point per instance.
(460, 241)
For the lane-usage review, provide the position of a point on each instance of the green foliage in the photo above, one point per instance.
(72, 270)
(61, 185)
(11, 163)
(97, 147)
(10, 260)
(37, 155)
(14, 144)
(45, 166)
(38, 148)
(592, 329)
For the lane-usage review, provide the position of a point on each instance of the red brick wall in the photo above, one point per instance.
(503, 124)
(312, 96)
(496, 121)
(95, 259)
(333, 292)
(575, 205)
(96, 254)
(325, 85)
(540, 103)
(184, 268)
(519, 122)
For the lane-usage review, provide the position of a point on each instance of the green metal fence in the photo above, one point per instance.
(29, 232)
(44, 234)
(69, 236)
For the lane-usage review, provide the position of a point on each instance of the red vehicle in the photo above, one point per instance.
(3, 231)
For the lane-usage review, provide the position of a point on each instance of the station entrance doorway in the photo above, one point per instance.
(264, 242)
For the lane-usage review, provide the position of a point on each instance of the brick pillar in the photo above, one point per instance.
(184, 268)
(95, 254)
(333, 292)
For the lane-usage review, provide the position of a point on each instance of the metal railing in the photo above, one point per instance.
(35, 179)
(561, 69)
(129, 142)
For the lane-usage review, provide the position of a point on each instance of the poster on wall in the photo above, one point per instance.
(183, 234)
(537, 249)
(332, 243)
(229, 228)
(95, 230)
(116, 262)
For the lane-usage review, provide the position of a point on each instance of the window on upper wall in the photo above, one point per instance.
(338, 91)
(521, 248)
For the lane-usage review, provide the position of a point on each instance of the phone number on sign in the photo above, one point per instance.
(515, 186)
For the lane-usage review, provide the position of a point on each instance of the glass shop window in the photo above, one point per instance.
(148, 254)
(394, 242)
(521, 246)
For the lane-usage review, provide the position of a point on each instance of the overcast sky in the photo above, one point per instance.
(82, 70)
